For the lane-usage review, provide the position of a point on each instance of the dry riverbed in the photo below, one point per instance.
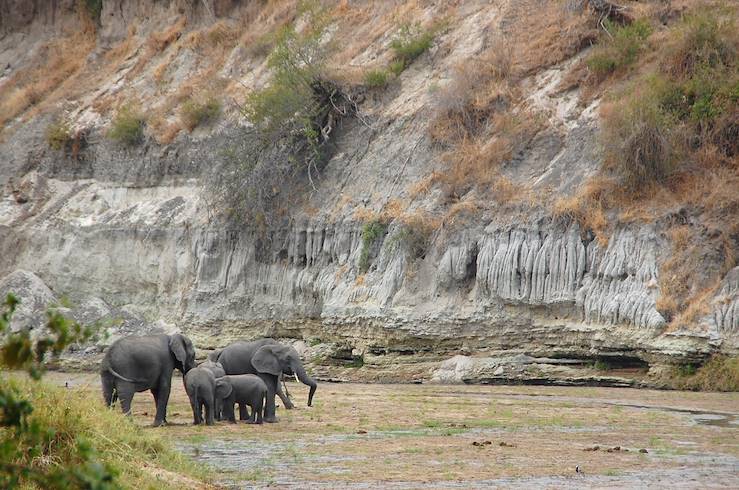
(431, 436)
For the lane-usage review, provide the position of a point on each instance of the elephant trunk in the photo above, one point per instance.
(306, 380)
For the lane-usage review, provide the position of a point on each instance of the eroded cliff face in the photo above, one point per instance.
(510, 292)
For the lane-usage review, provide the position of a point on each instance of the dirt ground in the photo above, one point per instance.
(434, 436)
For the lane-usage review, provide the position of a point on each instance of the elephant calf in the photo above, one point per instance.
(203, 390)
(245, 389)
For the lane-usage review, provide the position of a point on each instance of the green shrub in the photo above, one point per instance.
(601, 365)
(619, 48)
(719, 373)
(396, 67)
(410, 43)
(194, 112)
(127, 126)
(376, 78)
(371, 231)
(292, 118)
(94, 8)
(58, 135)
(638, 141)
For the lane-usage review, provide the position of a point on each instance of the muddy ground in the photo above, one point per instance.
(363, 436)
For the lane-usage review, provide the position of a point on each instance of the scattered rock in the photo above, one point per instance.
(594, 448)
(614, 449)
(643, 451)
(361, 431)
(506, 444)
(481, 443)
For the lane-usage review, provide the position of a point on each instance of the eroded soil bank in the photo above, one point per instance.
(441, 436)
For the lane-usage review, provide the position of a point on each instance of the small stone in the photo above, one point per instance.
(594, 448)
(643, 451)
(361, 431)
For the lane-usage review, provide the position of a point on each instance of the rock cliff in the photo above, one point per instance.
(510, 291)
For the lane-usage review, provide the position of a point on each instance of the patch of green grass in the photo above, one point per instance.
(194, 112)
(611, 472)
(719, 373)
(371, 231)
(377, 78)
(128, 126)
(601, 365)
(619, 47)
(411, 42)
(396, 67)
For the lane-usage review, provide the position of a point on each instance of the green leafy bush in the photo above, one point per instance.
(292, 120)
(619, 47)
(197, 112)
(58, 135)
(411, 42)
(371, 231)
(128, 126)
(667, 115)
(376, 78)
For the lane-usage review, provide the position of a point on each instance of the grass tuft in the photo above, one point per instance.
(197, 112)
(128, 126)
(376, 78)
(71, 419)
(619, 47)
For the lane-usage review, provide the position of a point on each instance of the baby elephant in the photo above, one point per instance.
(246, 389)
(203, 390)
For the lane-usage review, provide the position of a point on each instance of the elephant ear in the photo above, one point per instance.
(265, 361)
(223, 388)
(178, 348)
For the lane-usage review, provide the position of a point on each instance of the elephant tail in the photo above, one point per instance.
(121, 377)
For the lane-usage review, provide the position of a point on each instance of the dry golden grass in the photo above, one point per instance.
(47, 77)
(554, 34)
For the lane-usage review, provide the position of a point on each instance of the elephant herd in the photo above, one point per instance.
(245, 373)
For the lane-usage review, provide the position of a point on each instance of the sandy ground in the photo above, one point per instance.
(432, 436)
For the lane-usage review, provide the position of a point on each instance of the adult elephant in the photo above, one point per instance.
(134, 364)
(268, 359)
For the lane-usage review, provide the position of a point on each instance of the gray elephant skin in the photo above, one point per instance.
(203, 390)
(139, 363)
(267, 359)
(244, 389)
(217, 369)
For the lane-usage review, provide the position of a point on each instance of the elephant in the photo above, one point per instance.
(139, 363)
(268, 359)
(244, 389)
(217, 369)
(214, 367)
(200, 384)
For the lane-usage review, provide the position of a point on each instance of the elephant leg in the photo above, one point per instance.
(108, 383)
(161, 396)
(258, 409)
(125, 394)
(284, 396)
(209, 413)
(195, 411)
(243, 412)
(228, 411)
(269, 409)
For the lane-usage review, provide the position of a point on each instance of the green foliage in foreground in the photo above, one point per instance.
(58, 135)
(411, 42)
(56, 438)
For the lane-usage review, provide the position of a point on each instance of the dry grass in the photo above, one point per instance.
(47, 76)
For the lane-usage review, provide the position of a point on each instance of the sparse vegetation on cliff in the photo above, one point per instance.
(127, 126)
(197, 112)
